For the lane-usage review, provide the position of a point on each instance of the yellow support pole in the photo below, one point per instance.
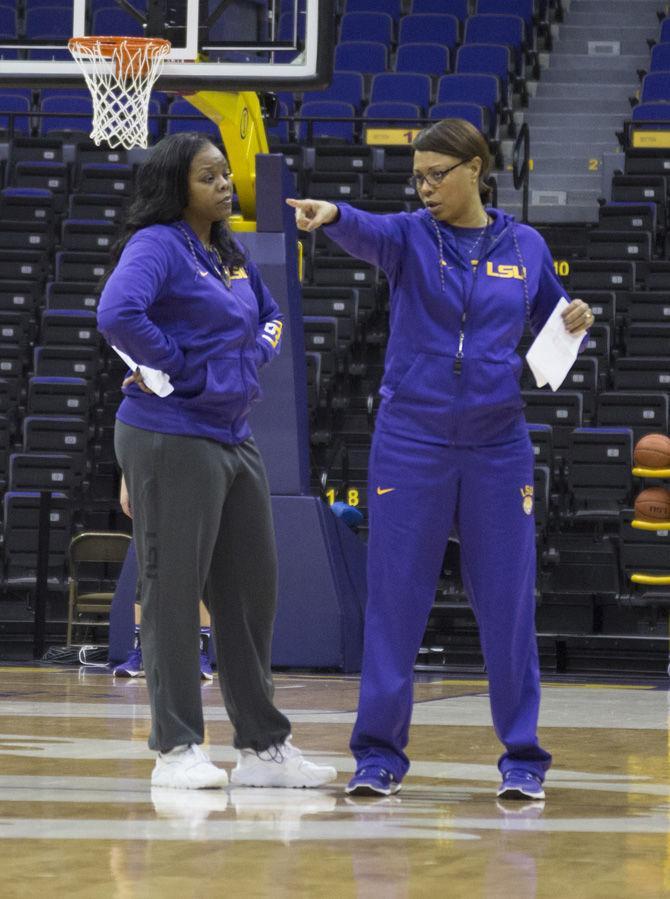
(239, 119)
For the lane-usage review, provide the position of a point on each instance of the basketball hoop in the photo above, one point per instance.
(120, 73)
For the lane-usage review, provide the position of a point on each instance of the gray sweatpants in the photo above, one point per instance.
(202, 523)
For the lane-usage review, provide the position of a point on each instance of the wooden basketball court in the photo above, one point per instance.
(78, 816)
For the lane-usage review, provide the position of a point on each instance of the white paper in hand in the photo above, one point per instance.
(554, 350)
(155, 380)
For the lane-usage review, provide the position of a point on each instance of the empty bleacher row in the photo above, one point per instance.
(652, 102)
(402, 63)
(59, 387)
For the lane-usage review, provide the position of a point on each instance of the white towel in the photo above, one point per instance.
(554, 350)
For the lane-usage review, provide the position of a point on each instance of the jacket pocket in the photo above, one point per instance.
(427, 384)
(231, 386)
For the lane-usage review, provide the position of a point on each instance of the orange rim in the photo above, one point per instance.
(106, 44)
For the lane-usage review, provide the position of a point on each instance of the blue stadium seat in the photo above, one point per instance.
(286, 26)
(200, 123)
(428, 59)
(25, 204)
(109, 178)
(67, 361)
(328, 109)
(485, 59)
(48, 23)
(13, 103)
(651, 112)
(25, 92)
(56, 434)
(54, 55)
(521, 8)
(285, 32)
(64, 92)
(477, 115)
(8, 24)
(280, 132)
(347, 87)
(664, 36)
(286, 5)
(361, 56)
(33, 4)
(43, 174)
(112, 20)
(70, 295)
(483, 90)
(21, 518)
(402, 88)
(395, 115)
(458, 8)
(42, 471)
(155, 123)
(140, 5)
(73, 266)
(373, 25)
(660, 58)
(287, 98)
(492, 29)
(429, 28)
(74, 114)
(655, 86)
(392, 7)
(58, 396)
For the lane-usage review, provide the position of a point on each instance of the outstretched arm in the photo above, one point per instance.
(377, 239)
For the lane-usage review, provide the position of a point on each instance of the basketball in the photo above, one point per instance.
(652, 451)
(653, 504)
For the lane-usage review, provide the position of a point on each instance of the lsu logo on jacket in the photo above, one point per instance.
(505, 271)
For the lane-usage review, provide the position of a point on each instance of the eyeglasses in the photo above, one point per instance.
(434, 178)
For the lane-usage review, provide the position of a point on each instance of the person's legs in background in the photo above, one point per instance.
(133, 666)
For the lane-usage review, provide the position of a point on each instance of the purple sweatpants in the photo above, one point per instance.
(417, 491)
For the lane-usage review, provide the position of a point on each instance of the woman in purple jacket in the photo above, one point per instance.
(451, 447)
(184, 299)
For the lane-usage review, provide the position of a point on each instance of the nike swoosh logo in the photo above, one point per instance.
(382, 490)
(202, 274)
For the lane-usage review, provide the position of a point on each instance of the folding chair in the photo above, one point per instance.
(94, 563)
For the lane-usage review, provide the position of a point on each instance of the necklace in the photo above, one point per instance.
(470, 251)
(222, 270)
(442, 262)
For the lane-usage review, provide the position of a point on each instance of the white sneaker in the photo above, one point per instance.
(280, 766)
(187, 768)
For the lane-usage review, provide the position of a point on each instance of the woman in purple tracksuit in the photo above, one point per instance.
(184, 298)
(450, 447)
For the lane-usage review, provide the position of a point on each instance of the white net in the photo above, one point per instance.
(120, 73)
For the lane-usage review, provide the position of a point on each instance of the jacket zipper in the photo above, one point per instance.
(458, 361)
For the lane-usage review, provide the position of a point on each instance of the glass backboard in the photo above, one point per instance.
(216, 44)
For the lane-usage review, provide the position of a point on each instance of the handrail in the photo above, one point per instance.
(520, 173)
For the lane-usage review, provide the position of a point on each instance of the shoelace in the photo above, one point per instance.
(377, 772)
(519, 774)
(278, 752)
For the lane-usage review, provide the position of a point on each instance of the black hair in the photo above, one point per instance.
(459, 138)
(161, 195)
